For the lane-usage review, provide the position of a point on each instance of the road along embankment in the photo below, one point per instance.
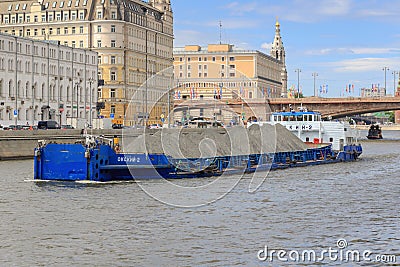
(21, 144)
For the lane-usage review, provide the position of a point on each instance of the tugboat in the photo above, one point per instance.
(312, 130)
(375, 132)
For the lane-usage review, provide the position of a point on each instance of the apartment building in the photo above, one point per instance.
(42, 80)
(133, 39)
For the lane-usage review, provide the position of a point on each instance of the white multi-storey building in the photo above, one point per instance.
(43, 80)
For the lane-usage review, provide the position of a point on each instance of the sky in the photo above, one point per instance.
(347, 42)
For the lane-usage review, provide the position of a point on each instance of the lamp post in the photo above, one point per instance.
(394, 82)
(298, 82)
(315, 75)
(385, 69)
(91, 80)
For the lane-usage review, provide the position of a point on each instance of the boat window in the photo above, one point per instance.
(292, 118)
(285, 118)
(307, 139)
(299, 118)
(331, 140)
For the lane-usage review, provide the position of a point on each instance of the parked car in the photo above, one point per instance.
(155, 126)
(44, 125)
(67, 126)
(13, 127)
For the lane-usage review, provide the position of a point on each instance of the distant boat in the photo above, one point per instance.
(375, 132)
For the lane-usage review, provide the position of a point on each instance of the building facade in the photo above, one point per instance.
(224, 72)
(133, 39)
(41, 80)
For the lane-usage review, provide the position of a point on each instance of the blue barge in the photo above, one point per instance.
(100, 161)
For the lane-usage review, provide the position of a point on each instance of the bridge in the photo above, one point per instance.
(328, 107)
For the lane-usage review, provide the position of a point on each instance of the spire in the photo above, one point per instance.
(277, 49)
(278, 52)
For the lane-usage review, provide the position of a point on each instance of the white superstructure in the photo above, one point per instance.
(310, 128)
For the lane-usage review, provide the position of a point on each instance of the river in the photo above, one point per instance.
(343, 207)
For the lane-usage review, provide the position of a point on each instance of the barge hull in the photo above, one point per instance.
(77, 162)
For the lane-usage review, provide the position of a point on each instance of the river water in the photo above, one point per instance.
(312, 208)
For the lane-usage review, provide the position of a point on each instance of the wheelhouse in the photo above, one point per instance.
(296, 116)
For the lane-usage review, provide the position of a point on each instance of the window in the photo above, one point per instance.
(66, 30)
(98, 28)
(58, 31)
(112, 93)
(73, 30)
(99, 14)
(112, 109)
(199, 58)
(54, 4)
(43, 32)
(232, 59)
(73, 16)
(58, 16)
(113, 15)
(81, 44)
(50, 17)
(112, 43)
(51, 31)
(112, 59)
(113, 76)
(62, 4)
(73, 44)
(112, 28)
(232, 67)
(66, 16)
(99, 59)
(6, 21)
(28, 32)
(43, 18)
(35, 32)
(81, 16)
(28, 19)
(98, 43)
(223, 58)
(81, 29)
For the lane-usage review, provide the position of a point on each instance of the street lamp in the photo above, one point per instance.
(91, 80)
(315, 90)
(394, 82)
(385, 69)
(298, 82)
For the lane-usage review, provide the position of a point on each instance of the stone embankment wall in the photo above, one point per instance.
(21, 144)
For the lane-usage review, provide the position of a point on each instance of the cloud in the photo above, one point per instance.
(266, 46)
(308, 11)
(365, 64)
(352, 51)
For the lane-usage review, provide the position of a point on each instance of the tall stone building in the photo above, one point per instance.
(40, 80)
(133, 39)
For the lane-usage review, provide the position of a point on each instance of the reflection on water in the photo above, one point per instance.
(62, 224)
